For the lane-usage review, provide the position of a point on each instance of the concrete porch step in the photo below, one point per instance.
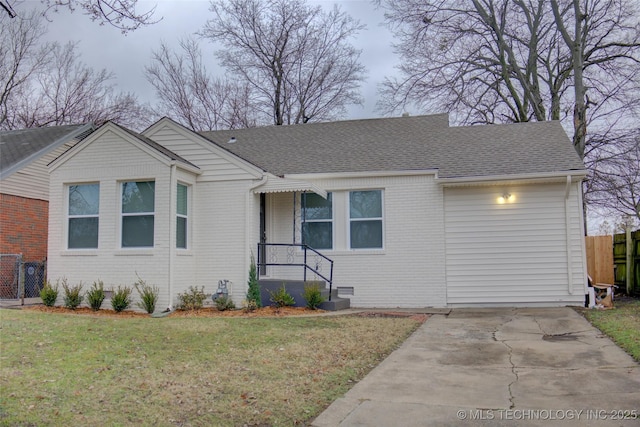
(296, 289)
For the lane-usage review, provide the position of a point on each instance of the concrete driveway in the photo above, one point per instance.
(495, 367)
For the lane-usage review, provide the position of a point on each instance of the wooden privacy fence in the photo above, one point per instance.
(600, 258)
(626, 258)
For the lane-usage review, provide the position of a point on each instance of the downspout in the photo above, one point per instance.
(172, 231)
(567, 220)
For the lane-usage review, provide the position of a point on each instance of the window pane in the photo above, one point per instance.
(315, 207)
(182, 199)
(318, 235)
(365, 204)
(138, 196)
(84, 199)
(83, 233)
(181, 233)
(366, 234)
(137, 231)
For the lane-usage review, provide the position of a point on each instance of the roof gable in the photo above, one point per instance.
(19, 148)
(140, 141)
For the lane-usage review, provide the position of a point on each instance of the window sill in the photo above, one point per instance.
(134, 252)
(353, 252)
(79, 252)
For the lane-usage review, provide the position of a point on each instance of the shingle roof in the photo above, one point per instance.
(402, 144)
(19, 145)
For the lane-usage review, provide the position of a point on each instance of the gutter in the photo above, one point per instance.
(529, 177)
(567, 221)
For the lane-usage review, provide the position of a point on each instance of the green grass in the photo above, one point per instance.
(622, 324)
(58, 369)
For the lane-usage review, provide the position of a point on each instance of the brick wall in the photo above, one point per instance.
(24, 227)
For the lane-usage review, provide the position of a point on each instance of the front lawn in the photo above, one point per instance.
(59, 369)
(621, 324)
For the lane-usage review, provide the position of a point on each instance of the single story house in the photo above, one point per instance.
(410, 211)
(24, 195)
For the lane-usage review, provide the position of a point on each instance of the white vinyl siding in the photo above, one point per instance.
(512, 252)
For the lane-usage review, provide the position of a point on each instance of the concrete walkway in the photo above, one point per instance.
(497, 367)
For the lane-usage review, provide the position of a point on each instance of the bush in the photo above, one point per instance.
(225, 303)
(192, 299)
(249, 306)
(72, 295)
(49, 294)
(96, 295)
(148, 295)
(313, 296)
(253, 293)
(121, 299)
(282, 298)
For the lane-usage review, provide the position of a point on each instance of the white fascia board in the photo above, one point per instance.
(203, 142)
(366, 174)
(532, 178)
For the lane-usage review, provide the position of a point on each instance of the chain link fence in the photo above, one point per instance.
(19, 279)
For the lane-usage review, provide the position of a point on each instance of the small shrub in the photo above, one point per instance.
(249, 306)
(313, 296)
(121, 298)
(96, 295)
(282, 298)
(148, 295)
(192, 299)
(225, 303)
(49, 294)
(253, 293)
(72, 295)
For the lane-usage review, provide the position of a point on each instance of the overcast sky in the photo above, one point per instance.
(126, 55)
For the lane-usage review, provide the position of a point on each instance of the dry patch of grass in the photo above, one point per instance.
(58, 369)
(621, 324)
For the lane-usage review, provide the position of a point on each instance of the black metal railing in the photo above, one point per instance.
(269, 255)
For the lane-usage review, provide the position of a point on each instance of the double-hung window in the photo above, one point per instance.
(138, 213)
(365, 218)
(84, 207)
(317, 221)
(182, 216)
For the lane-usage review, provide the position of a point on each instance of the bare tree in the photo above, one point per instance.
(615, 178)
(188, 93)
(21, 55)
(296, 58)
(121, 14)
(491, 61)
(49, 85)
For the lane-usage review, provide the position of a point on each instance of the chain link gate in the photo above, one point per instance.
(20, 279)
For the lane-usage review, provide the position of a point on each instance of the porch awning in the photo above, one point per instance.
(275, 184)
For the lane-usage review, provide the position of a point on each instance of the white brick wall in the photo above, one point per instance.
(409, 271)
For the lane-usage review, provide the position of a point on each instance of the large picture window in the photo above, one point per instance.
(182, 216)
(84, 207)
(317, 221)
(138, 213)
(365, 217)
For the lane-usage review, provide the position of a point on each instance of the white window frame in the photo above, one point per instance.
(380, 218)
(70, 216)
(132, 214)
(187, 234)
(323, 220)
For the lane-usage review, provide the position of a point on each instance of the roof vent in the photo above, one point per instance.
(232, 140)
(405, 114)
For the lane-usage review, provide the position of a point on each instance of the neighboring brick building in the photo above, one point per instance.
(24, 185)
